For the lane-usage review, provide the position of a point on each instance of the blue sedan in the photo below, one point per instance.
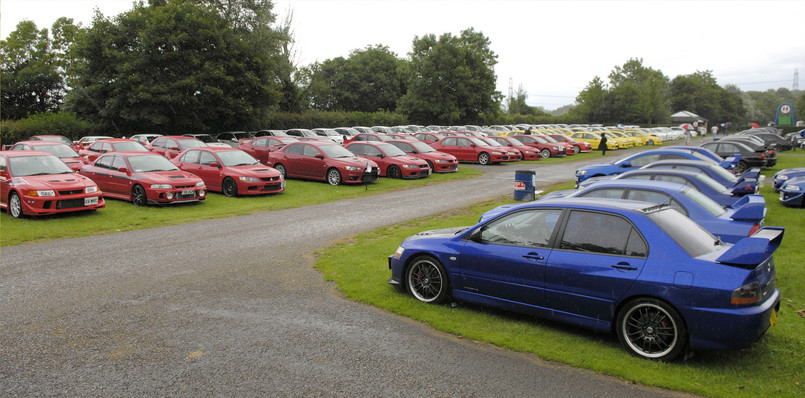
(635, 162)
(654, 277)
(747, 183)
(731, 224)
(782, 176)
(792, 192)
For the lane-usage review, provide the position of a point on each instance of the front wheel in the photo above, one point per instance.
(576, 149)
(651, 329)
(393, 172)
(651, 142)
(546, 153)
(138, 196)
(229, 187)
(427, 281)
(333, 177)
(281, 168)
(484, 158)
(14, 205)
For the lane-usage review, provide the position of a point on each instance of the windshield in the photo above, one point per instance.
(704, 201)
(142, 164)
(190, 143)
(336, 151)
(129, 147)
(236, 158)
(687, 233)
(59, 150)
(391, 150)
(21, 166)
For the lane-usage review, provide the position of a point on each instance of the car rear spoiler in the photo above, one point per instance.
(749, 208)
(754, 172)
(731, 161)
(752, 250)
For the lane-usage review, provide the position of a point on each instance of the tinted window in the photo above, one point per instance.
(205, 158)
(190, 157)
(532, 227)
(118, 162)
(294, 149)
(96, 147)
(609, 193)
(449, 141)
(104, 162)
(371, 151)
(601, 233)
(310, 150)
(687, 233)
(657, 197)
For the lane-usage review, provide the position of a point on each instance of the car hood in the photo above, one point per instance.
(255, 170)
(168, 177)
(56, 182)
(439, 233)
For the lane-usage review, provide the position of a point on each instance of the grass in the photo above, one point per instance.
(772, 366)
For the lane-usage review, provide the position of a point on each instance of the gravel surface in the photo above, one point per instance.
(233, 307)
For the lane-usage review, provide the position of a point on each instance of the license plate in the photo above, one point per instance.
(773, 317)
(91, 201)
(186, 192)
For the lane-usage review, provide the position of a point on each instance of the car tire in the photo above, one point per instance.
(741, 167)
(545, 153)
(393, 172)
(651, 142)
(281, 168)
(333, 177)
(14, 205)
(651, 329)
(229, 187)
(138, 195)
(484, 159)
(426, 280)
(430, 164)
(576, 149)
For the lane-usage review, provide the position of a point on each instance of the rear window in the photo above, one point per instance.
(687, 233)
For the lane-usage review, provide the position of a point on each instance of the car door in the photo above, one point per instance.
(313, 164)
(506, 258)
(206, 171)
(595, 261)
(118, 181)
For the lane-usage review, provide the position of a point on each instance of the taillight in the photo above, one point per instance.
(746, 294)
(754, 229)
(763, 156)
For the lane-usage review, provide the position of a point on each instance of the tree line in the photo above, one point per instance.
(178, 66)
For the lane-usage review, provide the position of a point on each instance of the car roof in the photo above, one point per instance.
(18, 154)
(589, 203)
(659, 185)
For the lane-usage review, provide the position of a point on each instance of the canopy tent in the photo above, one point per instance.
(686, 117)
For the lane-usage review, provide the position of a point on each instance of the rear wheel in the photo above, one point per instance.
(138, 196)
(14, 205)
(333, 177)
(484, 158)
(393, 172)
(741, 167)
(651, 329)
(229, 187)
(426, 280)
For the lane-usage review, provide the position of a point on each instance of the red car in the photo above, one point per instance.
(37, 183)
(546, 149)
(429, 137)
(144, 178)
(393, 162)
(578, 146)
(514, 155)
(367, 137)
(170, 145)
(100, 147)
(260, 147)
(56, 138)
(61, 151)
(324, 161)
(230, 171)
(568, 148)
(526, 152)
(439, 162)
(469, 149)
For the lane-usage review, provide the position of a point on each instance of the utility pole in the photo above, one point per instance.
(796, 79)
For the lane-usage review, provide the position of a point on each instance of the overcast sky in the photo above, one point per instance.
(553, 49)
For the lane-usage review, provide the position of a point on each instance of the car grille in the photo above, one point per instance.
(180, 196)
(72, 192)
(270, 179)
(70, 203)
(191, 186)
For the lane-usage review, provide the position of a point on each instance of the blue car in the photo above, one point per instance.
(647, 273)
(747, 183)
(731, 224)
(782, 176)
(634, 162)
(699, 181)
(730, 162)
(792, 191)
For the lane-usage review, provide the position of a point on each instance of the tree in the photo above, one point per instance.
(451, 79)
(518, 106)
(30, 82)
(174, 66)
(593, 103)
(638, 94)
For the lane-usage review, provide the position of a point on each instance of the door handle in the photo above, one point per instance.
(624, 266)
(534, 256)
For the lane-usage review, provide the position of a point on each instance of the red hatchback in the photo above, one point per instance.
(144, 178)
(526, 152)
(100, 147)
(67, 155)
(470, 149)
(230, 171)
(324, 161)
(439, 162)
(170, 145)
(260, 147)
(393, 162)
(37, 183)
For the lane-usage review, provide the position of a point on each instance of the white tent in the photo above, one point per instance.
(686, 117)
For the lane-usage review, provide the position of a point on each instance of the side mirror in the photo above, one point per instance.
(626, 164)
(215, 164)
(319, 156)
(123, 170)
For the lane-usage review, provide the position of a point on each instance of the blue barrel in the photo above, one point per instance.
(525, 185)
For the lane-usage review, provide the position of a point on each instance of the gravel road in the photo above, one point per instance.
(234, 307)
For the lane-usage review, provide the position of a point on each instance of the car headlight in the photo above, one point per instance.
(161, 186)
(399, 252)
(497, 153)
(410, 166)
(781, 178)
(529, 153)
(249, 179)
(48, 192)
(581, 172)
(91, 189)
(200, 184)
(791, 188)
(441, 161)
(353, 168)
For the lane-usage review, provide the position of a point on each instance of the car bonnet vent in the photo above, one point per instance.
(178, 176)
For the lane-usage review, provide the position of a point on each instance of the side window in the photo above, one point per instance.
(118, 162)
(601, 233)
(2, 164)
(656, 197)
(159, 143)
(96, 147)
(463, 142)
(672, 156)
(294, 149)
(530, 228)
(170, 144)
(205, 158)
(608, 193)
(107, 147)
(356, 149)
(676, 179)
(104, 162)
(449, 141)
(260, 142)
(372, 151)
(311, 151)
(644, 160)
(190, 157)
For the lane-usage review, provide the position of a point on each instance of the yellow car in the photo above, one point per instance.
(631, 142)
(639, 140)
(651, 138)
(593, 138)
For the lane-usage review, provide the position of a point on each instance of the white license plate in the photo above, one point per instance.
(188, 192)
(91, 201)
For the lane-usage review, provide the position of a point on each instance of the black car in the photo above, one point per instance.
(771, 140)
(757, 145)
(749, 157)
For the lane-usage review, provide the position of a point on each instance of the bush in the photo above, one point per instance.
(61, 123)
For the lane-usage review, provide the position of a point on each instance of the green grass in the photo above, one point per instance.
(773, 366)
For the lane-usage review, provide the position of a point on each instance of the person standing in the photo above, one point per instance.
(603, 144)
(687, 136)
(714, 130)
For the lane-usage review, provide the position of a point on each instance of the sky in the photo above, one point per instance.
(552, 49)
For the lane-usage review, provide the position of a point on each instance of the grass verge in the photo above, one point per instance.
(772, 366)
